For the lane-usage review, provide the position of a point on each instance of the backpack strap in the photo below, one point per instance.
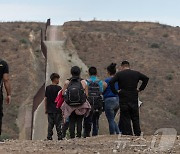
(89, 81)
(97, 81)
(80, 79)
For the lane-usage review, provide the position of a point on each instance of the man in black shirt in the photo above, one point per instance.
(4, 80)
(128, 94)
(54, 114)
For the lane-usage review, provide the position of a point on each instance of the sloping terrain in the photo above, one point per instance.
(96, 145)
(151, 48)
(20, 47)
(59, 60)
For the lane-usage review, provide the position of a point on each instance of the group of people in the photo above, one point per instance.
(78, 105)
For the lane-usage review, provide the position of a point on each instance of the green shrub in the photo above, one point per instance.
(38, 50)
(165, 35)
(4, 40)
(131, 33)
(5, 136)
(169, 77)
(23, 41)
(155, 45)
(164, 26)
(70, 54)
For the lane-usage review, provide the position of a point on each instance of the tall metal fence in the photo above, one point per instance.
(38, 98)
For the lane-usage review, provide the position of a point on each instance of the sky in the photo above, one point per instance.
(60, 11)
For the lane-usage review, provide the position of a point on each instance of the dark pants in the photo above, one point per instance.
(1, 112)
(129, 112)
(65, 128)
(75, 121)
(54, 119)
(92, 119)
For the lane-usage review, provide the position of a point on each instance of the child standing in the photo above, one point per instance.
(54, 114)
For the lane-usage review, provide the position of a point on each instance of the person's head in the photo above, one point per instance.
(92, 71)
(75, 71)
(125, 65)
(111, 69)
(55, 78)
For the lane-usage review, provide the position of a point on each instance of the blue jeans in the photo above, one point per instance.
(111, 108)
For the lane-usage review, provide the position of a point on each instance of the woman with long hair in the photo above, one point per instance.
(111, 101)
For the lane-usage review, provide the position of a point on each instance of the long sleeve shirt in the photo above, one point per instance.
(3, 70)
(128, 81)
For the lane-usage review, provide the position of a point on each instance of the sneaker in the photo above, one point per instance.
(60, 138)
(1, 140)
(49, 138)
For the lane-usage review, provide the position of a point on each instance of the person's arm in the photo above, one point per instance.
(65, 87)
(104, 85)
(144, 80)
(45, 100)
(7, 85)
(85, 86)
(112, 84)
(45, 104)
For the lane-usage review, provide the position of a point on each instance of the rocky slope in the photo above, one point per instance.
(151, 48)
(20, 47)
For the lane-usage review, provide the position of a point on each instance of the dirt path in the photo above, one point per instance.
(96, 145)
(56, 62)
(60, 61)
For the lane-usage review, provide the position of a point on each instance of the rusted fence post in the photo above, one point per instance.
(38, 98)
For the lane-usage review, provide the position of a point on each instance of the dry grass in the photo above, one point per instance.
(26, 68)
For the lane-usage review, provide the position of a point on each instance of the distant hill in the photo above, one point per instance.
(151, 48)
(20, 47)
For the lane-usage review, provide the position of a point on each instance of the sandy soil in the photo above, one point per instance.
(98, 145)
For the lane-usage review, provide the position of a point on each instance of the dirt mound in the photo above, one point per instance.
(151, 48)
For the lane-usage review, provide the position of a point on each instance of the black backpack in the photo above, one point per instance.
(95, 95)
(75, 94)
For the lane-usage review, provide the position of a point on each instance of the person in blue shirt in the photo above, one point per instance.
(95, 98)
(111, 101)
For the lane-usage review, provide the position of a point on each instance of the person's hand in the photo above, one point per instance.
(64, 120)
(103, 109)
(119, 91)
(138, 91)
(8, 99)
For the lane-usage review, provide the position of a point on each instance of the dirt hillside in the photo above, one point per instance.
(20, 47)
(151, 48)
